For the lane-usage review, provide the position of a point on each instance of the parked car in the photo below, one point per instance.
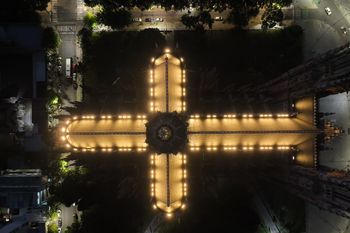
(138, 19)
(218, 18)
(59, 223)
(328, 11)
(159, 19)
(343, 29)
(148, 20)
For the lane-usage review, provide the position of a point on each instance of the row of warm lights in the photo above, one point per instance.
(230, 148)
(212, 148)
(124, 117)
(124, 149)
(266, 148)
(152, 176)
(151, 106)
(211, 116)
(247, 115)
(121, 149)
(151, 91)
(283, 147)
(197, 116)
(245, 148)
(151, 79)
(184, 161)
(265, 115)
(106, 117)
(229, 115)
(88, 117)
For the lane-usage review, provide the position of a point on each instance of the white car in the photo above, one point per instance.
(328, 11)
(343, 29)
(137, 20)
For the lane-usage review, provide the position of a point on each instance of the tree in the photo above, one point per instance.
(238, 18)
(52, 228)
(272, 15)
(205, 18)
(199, 21)
(22, 11)
(50, 38)
(115, 18)
(189, 21)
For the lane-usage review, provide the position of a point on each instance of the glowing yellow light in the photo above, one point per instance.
(63, 129)
(169, 215)
(167, 50)
(84, 150)
(245, 115)
(109, 149)
(109, 116)
(182, 60)
(67, 122)
(75, 117)
(67, 145)
(75, 149)
(152, 59)
(63, 138)
(183, 206)
(154, 207)
(214, 116)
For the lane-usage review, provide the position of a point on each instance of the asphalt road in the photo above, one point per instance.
(68, 17)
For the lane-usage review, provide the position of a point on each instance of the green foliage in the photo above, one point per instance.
(74, 182)
(114, 12)
(198, 21)
(189, 21)
(272, 15)
(242, 12)
(115, 18)
(52, 228)
(90, 20)
(50, 38)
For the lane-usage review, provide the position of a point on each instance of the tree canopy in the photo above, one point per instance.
(197, 21)
(115, 18)
(116, 12)
(20, 11)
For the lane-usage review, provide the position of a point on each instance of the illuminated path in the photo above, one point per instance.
(169, 133)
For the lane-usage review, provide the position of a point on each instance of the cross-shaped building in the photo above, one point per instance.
(169, 132)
